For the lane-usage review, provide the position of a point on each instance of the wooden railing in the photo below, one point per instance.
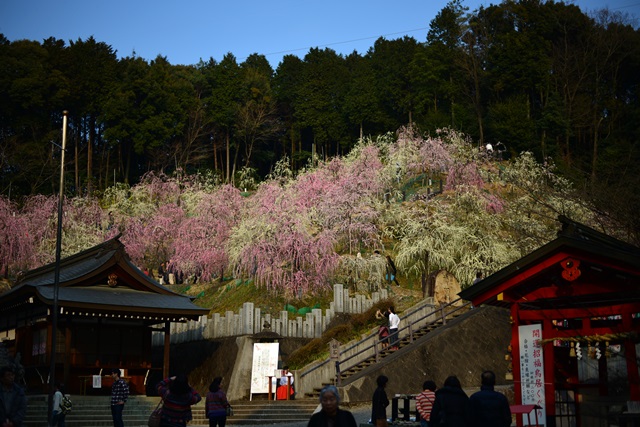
(418, 318)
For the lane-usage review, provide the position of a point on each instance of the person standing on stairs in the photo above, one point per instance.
(383, 329)
(394, 323)
(57, 416)
(177, 397)
(119, 396)
(216, 404)
(285, 384)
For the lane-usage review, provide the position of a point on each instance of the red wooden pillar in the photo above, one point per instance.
(632, 358)
(167, 350)
(515, 360)
(67, 353)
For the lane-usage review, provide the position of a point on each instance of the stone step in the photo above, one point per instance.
(94, 411)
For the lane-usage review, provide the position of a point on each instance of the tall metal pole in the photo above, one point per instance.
(56, 277)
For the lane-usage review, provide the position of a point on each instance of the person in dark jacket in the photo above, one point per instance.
(13, 402)
(379, 403)
(177, 397)
(487, 407)
(450, 406)
(331, 414)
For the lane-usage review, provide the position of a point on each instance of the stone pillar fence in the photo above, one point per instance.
(249, 320)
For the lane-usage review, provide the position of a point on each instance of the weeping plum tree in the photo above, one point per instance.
(487, 217)
(150, 241)
(28, 233)
(201, 239)
(298, 235)
(18, 251)
(276, 244)
(344, 195)
(534, 197)
(448, 231)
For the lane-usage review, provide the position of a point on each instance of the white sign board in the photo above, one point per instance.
(97, 381)
(265, 362)
(532, 371)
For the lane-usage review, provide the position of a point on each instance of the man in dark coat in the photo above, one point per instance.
(13, 402)
(488, 408)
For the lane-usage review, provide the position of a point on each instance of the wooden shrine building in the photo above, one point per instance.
(575, 313)
(107, 311)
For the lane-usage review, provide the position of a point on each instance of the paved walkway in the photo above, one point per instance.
(362, 414)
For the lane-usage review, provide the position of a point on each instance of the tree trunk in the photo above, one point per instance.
(228, 157)
(90, 157)
(128, 166)
(425, 276)
(215, 153)
(594, 161)
(77, 163)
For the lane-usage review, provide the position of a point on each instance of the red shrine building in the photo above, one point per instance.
(107, 312)
(575, 315)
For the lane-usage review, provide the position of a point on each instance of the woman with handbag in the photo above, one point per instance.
(177, 397)
(217, 405)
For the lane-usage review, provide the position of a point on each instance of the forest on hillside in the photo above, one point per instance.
(538, 76)
(206, 165)
(429, 203)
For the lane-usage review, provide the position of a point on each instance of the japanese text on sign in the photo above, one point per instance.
(532, 370)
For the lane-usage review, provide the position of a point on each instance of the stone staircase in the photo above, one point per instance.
(94, 411)
(383, 353)
(408, 336)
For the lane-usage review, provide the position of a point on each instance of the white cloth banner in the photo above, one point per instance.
(265, 362)
(532, 371)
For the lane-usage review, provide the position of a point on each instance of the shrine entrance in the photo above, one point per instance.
(575, 310)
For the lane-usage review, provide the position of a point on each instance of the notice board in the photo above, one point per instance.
(532, 372)
(265, 362)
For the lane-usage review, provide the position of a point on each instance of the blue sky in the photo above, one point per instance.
(190, 30)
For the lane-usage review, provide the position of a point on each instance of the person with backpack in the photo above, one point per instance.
(61, 406)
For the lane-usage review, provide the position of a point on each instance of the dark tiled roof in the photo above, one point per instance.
(83, 284)
(69, 272)
(100, 296)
